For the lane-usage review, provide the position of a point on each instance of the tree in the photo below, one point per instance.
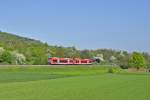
(6, 57)
(137, 60)
(147, 58)
(86, 54)
(1, 52)
(18, 58)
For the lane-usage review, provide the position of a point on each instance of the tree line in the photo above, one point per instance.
(19, 50)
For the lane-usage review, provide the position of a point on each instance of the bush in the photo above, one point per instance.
(123, 66)
(111, 70)
(18, 58)
(6, 57)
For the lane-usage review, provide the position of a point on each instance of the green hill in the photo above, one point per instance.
(31, 51)
(35, 52)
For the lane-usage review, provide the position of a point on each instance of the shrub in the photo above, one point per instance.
(111, 70)
(19, 58)
(6, 57)
(124, 66)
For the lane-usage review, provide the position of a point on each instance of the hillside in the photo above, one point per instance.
(13, 42)
(32, 51)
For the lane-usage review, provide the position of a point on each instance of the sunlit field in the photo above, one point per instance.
(72, 83)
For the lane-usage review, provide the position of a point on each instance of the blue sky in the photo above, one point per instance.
(91, 24)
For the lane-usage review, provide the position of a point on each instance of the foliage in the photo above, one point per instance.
(110, 70)
(6, 57)
(18, 58)
(137, 60)
(147, 58)
(124, 66)
(1, 50)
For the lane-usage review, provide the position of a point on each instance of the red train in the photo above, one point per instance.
(69, 61)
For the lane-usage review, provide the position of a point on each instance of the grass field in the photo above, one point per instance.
(72, 83)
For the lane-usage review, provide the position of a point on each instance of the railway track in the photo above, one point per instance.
(4, 66)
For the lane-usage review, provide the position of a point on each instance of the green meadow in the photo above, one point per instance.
(72, 83)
